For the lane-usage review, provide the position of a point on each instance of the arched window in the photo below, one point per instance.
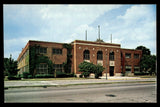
(99, 55)
(86, 55)
(111, 56)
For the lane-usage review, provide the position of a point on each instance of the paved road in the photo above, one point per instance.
(122, 92)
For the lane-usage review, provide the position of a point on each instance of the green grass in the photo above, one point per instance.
(48, 79)
(145, 76)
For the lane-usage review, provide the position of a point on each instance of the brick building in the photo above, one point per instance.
(111, 56)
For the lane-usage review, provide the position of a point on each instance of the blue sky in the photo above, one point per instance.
(130, 25)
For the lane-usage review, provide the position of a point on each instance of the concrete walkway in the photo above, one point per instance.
(78, 81)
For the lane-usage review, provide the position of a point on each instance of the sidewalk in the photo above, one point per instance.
(14, 84)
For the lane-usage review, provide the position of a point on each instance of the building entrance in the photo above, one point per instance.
(111, 70)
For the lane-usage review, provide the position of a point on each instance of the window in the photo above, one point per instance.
(57, 51)
(128, 55)
(41, 50)
(86, 55)
(136, 56)
(42, 69)
(57, 67)
(111, 56)
(99, 55)
(136, 69)
(128, 68)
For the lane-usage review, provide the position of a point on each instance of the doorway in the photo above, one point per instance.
(111, 70)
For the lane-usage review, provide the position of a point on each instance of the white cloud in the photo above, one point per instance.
(137, 13)
(65, 23)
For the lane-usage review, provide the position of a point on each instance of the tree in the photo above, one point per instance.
(10, 66)
(145, 51)
(87, 68)
(148, 61)
(98, 71)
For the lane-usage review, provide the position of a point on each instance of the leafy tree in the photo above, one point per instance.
(148, 61)
(98, 71)
(10, 66)
(88, 68)
(145, 51)
(67, 63)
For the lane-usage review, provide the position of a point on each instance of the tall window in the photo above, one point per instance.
(111, 56)
(57, 67)
(42, 69)
(99, 55)
(86, 55)
(57, 51)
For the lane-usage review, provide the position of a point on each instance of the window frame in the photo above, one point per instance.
(127, 55)
(56, 51)
(99, 55)
(136, 56)
(40, 68)
(111, 56)
(86, 55)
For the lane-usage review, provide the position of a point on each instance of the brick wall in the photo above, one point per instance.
(131, 61)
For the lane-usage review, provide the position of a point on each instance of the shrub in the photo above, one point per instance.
(11, 77)
(81, 76)
(25, 74)
(44, 76)
(60, 74)
(86, 74)
(141, 73)
(98, 71)
(88, 68)
(29, 76)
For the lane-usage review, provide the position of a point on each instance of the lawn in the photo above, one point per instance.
(48, 79)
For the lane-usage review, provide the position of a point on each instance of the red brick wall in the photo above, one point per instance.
(56, 59)
(79, 48)
(131, 61)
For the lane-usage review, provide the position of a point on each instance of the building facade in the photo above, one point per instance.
(111, 56)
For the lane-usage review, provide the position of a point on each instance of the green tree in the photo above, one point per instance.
(68, 62)
(98, 71)
(10, 66)
(145, 51)
(87, 68)
(148, 61)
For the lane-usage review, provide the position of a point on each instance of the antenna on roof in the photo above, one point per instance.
(111, 38)
(98, 32)
(86, 35)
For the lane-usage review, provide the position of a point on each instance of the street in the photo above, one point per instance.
(106, 93)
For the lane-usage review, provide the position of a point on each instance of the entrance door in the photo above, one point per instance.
(111, 70)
